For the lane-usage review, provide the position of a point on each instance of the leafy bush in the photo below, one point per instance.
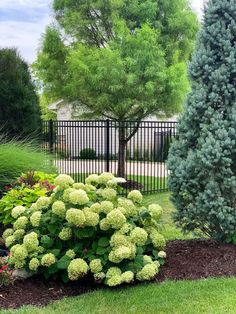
(27, 190)
(17, 157)
(86, 228)
(88, 153)
(5, 271)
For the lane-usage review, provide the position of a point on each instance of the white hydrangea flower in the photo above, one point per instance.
(17, 211)
(63, 181)
(78, 197)
(109, 194)
(48, 260)
(31, 242)
(116, 219)
(135, 196)
(75, 217)
(7, 233)
(36, 218)
(43, 202)
(92, 179)
(162, 254)
(59, 208)
(105, 177)
(77, 269)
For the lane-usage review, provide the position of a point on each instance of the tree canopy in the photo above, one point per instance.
(19, 108)
(117, 58)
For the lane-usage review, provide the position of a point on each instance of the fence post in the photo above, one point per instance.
(107, 145)
(50, 135)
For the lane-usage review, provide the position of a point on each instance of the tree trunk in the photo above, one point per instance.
(122, 152)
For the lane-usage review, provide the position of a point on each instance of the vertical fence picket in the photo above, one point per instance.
(146, 152)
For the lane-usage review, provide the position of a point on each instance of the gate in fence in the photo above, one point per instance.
(135, 150)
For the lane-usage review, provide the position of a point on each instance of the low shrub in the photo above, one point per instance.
(88, 153)
(5, 271)
(86, 228)
(17, 157)
(27, 189)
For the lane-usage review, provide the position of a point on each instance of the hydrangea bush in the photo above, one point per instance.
(88, 228)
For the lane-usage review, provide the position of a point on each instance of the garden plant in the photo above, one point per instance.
(202, 160)
(17, 157)
(5, 271)
(88, 228)
(25, 191)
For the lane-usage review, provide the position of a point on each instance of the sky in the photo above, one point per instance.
(22, 23)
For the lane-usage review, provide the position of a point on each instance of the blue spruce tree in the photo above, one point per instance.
(202, 161)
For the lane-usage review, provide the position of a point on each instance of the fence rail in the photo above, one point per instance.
(135, 150)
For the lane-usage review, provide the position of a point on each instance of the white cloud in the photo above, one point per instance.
(22, 23)
(13, 4)
(198, 6)
(23, 35)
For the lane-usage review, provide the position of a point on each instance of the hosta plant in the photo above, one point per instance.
(27, 189)
(88, 228)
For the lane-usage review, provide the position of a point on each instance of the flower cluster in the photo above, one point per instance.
(59, 208)
(77, 269)
(87, 228)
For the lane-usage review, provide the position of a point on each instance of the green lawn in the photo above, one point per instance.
(169, 229)
(191, 297)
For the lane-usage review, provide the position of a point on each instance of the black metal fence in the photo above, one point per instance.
(135, 150)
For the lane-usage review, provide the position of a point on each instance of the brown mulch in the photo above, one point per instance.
(196, 259)
(189, 259)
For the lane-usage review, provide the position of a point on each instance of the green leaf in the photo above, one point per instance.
(84, 233)
(56, 252)
(52, 228)
(46, 241)
(64, 277)
(53, 269)
(101, 250)
(104, 242)
(144, 214)
(78, 248)
(139, 250)
(139, 260)
(155, 253)
(63, 263)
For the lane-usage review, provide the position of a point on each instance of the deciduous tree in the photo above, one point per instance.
(119, 59)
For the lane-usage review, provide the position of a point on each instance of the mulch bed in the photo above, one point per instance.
(189, 259)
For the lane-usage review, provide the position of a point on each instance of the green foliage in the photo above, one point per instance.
(85, 228)
(118, 59)
(88, 153)
(5, 271)
(202, 159)
(25, 192)
(19, 110)
(128, 66)
(123, 63)
(17, 157)
(47, 114)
